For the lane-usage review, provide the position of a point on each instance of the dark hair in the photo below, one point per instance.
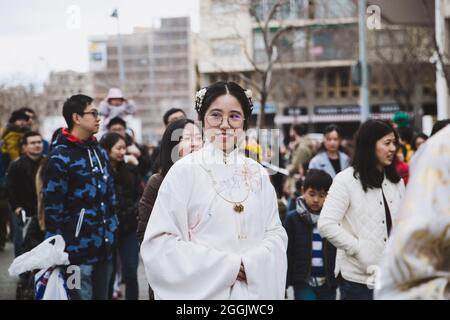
(328, 129)
(364, 159)
(298, 184)
(406, 134)
(169, 113)
(121, 173)
(75, 104)
(441, 124)
(420, 135)
(331, 128)
(116, 120)
(27, 135)
(55, 136)
(110, 139)
(52, 144)
(18, 115)
(300, 129)
(221, 88)
(168, 143)
(27, 109)
(318, 180)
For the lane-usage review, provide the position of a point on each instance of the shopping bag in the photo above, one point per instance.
(50, 285)
(47, 254)
(46, 257)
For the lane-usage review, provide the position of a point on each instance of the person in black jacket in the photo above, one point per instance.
(21, 186)
(134, 150)
(311, 258)
(171, 115)
(129, 187)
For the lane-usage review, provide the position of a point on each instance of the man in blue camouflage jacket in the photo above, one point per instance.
(79, 198)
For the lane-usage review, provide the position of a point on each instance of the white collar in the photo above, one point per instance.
(211, 154)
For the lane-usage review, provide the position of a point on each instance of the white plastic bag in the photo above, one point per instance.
(47, 254)
(50, 285)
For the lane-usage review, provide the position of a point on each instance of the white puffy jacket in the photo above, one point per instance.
(354, 221)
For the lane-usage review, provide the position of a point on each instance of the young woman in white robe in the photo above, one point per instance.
(215, 232)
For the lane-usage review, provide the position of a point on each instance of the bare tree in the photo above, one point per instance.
(15, 97)
(404, 56)
(407, 58)
(276, 22)
(442, 58)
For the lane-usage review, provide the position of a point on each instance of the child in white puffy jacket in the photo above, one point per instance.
(115, 105)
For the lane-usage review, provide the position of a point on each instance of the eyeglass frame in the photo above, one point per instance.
(228, 120)
(94, 113)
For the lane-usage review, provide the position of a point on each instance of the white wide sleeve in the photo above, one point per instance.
(266, 264)
(416, 264)
(332, 214)
(175, 267)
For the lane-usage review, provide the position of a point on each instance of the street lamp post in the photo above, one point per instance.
(364, 90)
(115, 14)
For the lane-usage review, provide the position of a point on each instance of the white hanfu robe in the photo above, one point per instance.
(195, 241)
(417, 260)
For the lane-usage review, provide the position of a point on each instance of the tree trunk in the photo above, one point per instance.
(262, 114)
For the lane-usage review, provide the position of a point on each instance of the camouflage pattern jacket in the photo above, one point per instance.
(79, 199)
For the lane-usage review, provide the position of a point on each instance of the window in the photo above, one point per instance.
(334, 43)
(334, 9)
(259, 48)
(292, 9)
(299, 40)
(390, 38)
(223, 48)
(223, 6)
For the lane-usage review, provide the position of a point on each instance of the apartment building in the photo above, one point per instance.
(63, 84)
(159, 70)
(314, 79)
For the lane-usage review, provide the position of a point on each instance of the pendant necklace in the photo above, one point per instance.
(238, 206)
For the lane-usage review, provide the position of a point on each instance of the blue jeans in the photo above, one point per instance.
(129, 259)
(306, 292)
(354, 291)
(94, 281)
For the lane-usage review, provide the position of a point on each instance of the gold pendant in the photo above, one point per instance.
(238, 207)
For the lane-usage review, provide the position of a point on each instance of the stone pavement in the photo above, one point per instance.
(7, 283)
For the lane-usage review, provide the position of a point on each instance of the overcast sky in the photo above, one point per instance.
(37, 36)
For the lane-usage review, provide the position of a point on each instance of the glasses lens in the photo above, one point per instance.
(215, 119)
(236, 120)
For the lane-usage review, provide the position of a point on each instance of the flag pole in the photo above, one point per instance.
(122, 78)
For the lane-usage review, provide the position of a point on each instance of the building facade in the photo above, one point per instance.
(63, 84)
(314, 78)
(159, 70)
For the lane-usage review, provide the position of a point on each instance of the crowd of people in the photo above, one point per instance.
(208, 216)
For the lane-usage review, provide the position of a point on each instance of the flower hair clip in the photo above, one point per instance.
(199, 98)
(249, 95)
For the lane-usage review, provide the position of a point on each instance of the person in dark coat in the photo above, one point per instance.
(311, 258)
(171, 115)
(128, 188)
(136, 153)
(189, 141)
(20, 181)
